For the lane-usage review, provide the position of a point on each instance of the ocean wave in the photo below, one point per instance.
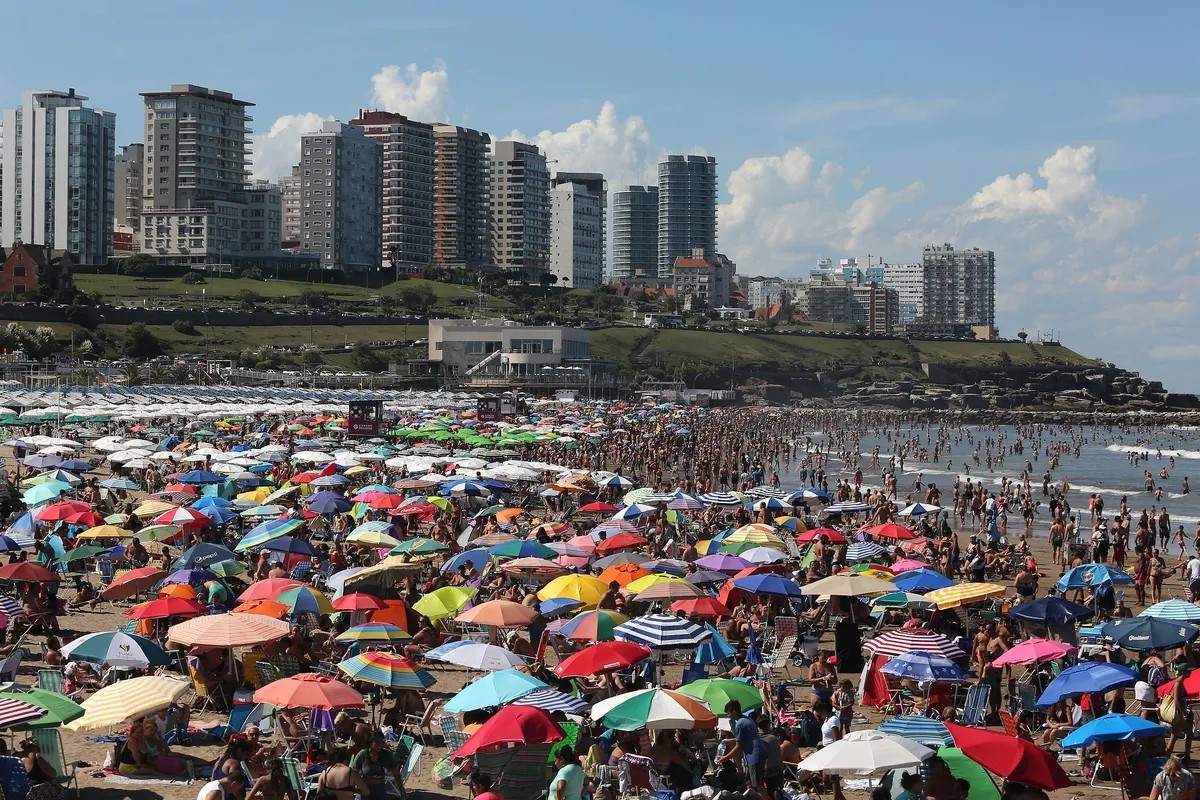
(1153, 451)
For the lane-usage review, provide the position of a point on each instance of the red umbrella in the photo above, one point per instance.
(89, 518)
(60, 511)
(266, 589)
(761, 569)
(730, 595)
(358, 602)
(512, 724)
(701, 607)
(415, 509)
(601, 657)
(385, 501)
(1191, 685)
(622, 541)
(309, 690)
(598, 508)
(829, 533)
(133, 582)
(165, 607)
(25, 571)
(1010, 757)
(890, 530)
(183, 488)
(304, 477)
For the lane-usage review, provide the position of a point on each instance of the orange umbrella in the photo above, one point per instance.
(178, 590)
(264, 608)
(509, 514)
(623, 574)
(228, 630)
(499, 613)
(395, 612)
(133, 582)
(308, 690)
(267, 589)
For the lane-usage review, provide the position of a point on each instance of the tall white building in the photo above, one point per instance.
(58, 161)
(762, 291)
(909, 282)
(340, 179)
(960, 285)
(291, 193)
(578, 203)
(519, 195)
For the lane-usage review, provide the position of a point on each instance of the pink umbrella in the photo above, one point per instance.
(583, 543)
(572, 561)
(1035, 651)
(905, 564)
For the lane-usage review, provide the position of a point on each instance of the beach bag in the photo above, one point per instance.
(1166, 709)
(809, 728)
(168, 765)
(443, 773)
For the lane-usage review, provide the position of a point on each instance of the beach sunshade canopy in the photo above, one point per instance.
(585, 588)
(512, 725)
(500, 614)
(716, 692)
(553, 700)
(358, 602)
(476, 655)
(921, 580)
(14, 712)
(1035, 651)
(1086, 575)
(1146, 633)
(133, 582)
(1088, 677)
(965, 593)
(593, 626)
(165, 607)
(373, 632)
(601, 658)
(267, 589)
(387, 669)
(305, 600)
(662, 632)
(1113, 728)
(127, 700)
(922, 666)
(768, 583)
(898, 642)
(849, 584)
(1051, 611)
(1010, 757)
(494, 689)
(1178, 610)
(653, 709)
(444, 602)
(27, 572)
(903, 600)
(308, 690)
(675, 589)
(57, 710)
(117, 649)
(867, 752)
(228, 630)
(919, 728)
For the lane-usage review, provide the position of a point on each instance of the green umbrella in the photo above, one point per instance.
(982, 785)
(227, 568)
(59, 710)
(419, 546)
(719, 691)
(80, 553)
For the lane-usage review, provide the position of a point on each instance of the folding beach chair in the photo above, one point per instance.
(975, 707)
(50, 742)
(52, 681)
(295, 777)
(518, 773)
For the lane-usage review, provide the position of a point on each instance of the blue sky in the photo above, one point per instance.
(839, 129)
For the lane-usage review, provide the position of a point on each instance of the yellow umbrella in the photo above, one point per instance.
(799, 523)
(256, 495)
(754, 529)
(645, 582)
(706, 546)
(105, 532)
(587, 589)
(373, 539)
(964, 594)
(128, 700)
(152, 508)
(848, 584)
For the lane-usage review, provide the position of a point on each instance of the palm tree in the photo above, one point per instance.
(157, 375)
(180, 374)
(131, 375)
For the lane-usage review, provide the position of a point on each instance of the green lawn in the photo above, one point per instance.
(982, 354)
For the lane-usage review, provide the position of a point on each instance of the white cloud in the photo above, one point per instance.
(620, 147)
(278, 150)
(413, 92)
(1145, 107)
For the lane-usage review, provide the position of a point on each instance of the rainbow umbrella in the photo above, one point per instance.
(387, 669)
(373, 632)
(593, 626)
(268, 532)
(305, 599)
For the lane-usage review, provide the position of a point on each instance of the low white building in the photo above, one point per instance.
(504, 348)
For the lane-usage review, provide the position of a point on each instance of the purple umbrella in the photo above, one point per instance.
(328, 503)
(724, 562)
(41, 460)
(286, 544)
(194, 577)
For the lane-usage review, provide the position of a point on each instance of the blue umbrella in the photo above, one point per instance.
(41, 460)
(265, 532)
(715, 649)
(467, 488)
(768, 583)
(552, 700)
(919, 728)
(1050, 611)
(1092, 575)
(921, 580)
(1145, 633)
(76, 465)
(202, 555)
(8, 543)
(662, 632)
(1112, 728)
(753, 656)
(559, 605)
(200, 477)
(211, 502)
(286, 544)
(1086, 678)
(45, 492)
(494, 689)
(328, 503)
(809, 494)
(192, 577)
(220, 516)
(921, 666)
(769, 504)
(478, 559)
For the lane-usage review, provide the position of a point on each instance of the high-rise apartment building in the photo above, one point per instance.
(127, 185)
(959, 285)
(461, 215)
(578, 203)
(909, 282)
(519, 196)
(262, 217)
(290, 192)
(687, 208)
(635, 232)
(58, 164)
(407, 193)
(341, 179)
(197, 147)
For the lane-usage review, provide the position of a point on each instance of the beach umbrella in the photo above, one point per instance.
(373, 632)
(919, 728)
(713, 649)
(183, 517)
(444, 602)
(831, 536)
(1092, 575)
(703, 576)
(522, 548)
(921, 666)
(380, 539)
(309, 690)
(865, 752)
(475, 655)
(593, 626)
(552, 700)
(674, 589)
(45, 492)
(192, 577)
(1010, 757)
(41, 460)
(515, 724)
(863, 551)
(387, 669)
(200, 477)
(706, 606)
(763, 555)
(264, 608)
(305, 600)
(104, 532)
(420, 546)
(849, 584)
(1087, 677)
(266, 532)
(600, 658)
(129, 699)
(559, 606)
(327, 503)
(898, 642)
(890, 530)
(116, 649)
(178, 590)
(1035, 651)
(120, 484)
(906, 565)
(903, 600)
(769, 584)
(621, 541)
(653, 709)
(1113, 728)
(266, 589)
(14, 712)
(585, 588)
(1178, 610)
(625, 557)
(499, 614)
(622, 574)
(922, 580)
(965, 593)
(358, 602)
(74, 554)
(917, 509)
(164, 607)
(228, 630)
(717, 692)
(288, 544)
(720, 499)
(494, 689)
(27, 572)
(479, 559)
(133, 582)
(724, 562)
(57, 710)
(662, 632)
(1146, 633)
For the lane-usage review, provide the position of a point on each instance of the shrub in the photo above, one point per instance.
(194, 278)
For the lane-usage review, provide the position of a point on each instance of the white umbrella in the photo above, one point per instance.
(865, 752)
(476, 655)
(849, 584)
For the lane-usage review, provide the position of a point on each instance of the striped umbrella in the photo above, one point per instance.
(965, 593)
(720, 499)
(182, 517)
(387, 669)
(534, 568)
(662, 632)
(128, 700)
(423, 546)
(678, 589)
(266, 532)
(305, 600)
(376, 539)
(771, 504)
(766, 491)
(117, 649)
(847, 507)
(552, 700)
(593, 626)
(899, 642)
(919, 728)
(475, 655)
(56, 709)
(653, 709)
(14, 712)
(861, 551)
(373, 632)
(10, 607)
(685, 503)
(1178, 610)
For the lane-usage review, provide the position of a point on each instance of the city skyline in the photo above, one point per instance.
(881, 133)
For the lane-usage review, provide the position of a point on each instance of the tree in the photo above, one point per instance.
(140, 342)
(252, 274)
(158, 375)
(1022, 335)
(547, 279)
(367, 359)
(180, 374)
(418, 298)
(249, 299)
(311, 356)
(312, 298)
(387, 305)
(194, 278)
(138, 265)
(131, 375)
(184, 326)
